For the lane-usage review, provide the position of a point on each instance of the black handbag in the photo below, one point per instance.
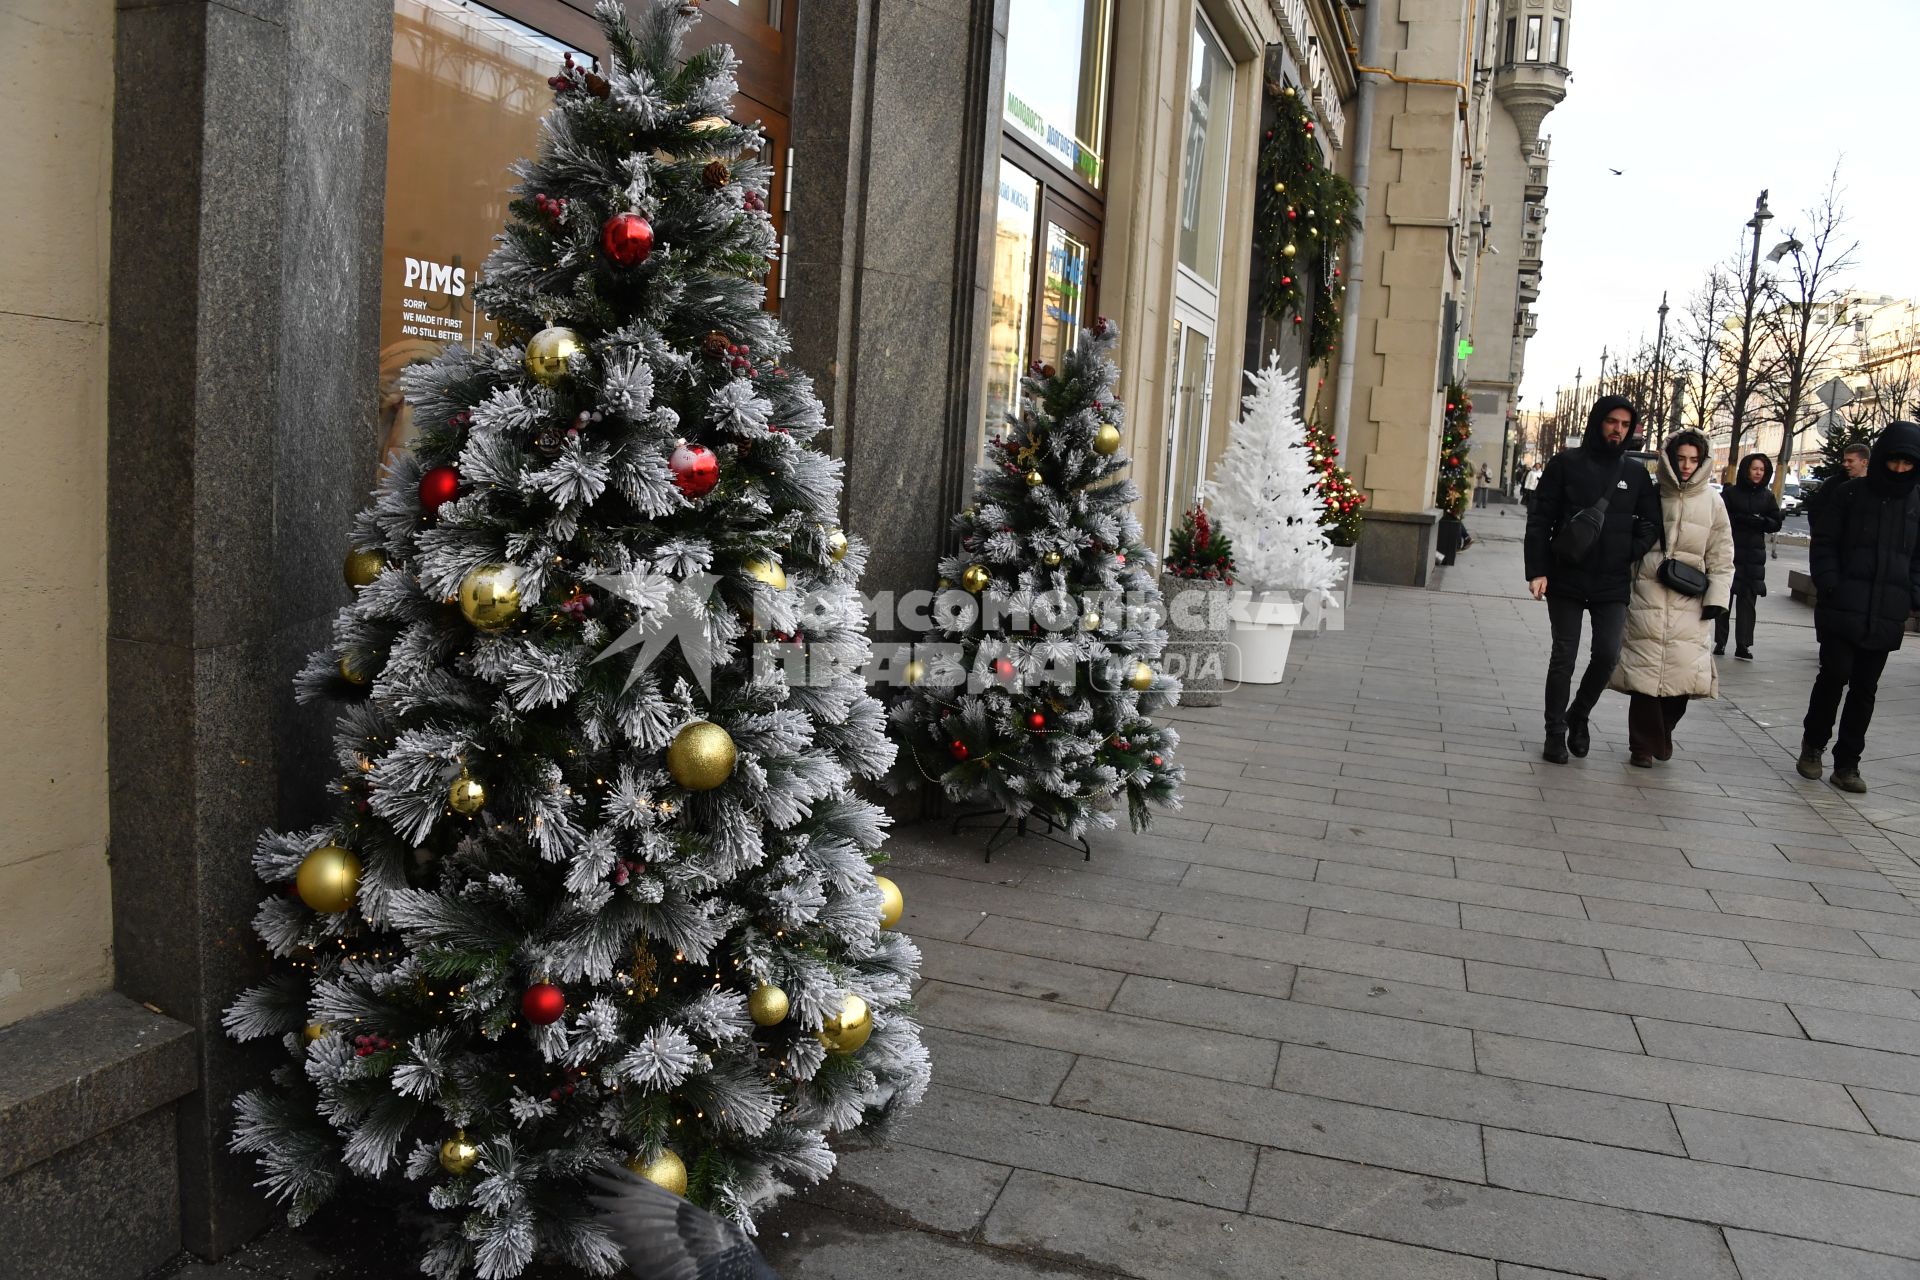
(1581, 533)
(1678, 575)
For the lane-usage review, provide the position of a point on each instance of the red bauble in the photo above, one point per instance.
(1286, 280)
(543, 1003)
(1003, 667)
(958, 749)
(627, 239)
(1036, 721)
(695, 468)
(1121, 557)
(438, 485)
(1156, 760)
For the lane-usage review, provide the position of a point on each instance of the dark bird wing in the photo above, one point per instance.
(667, 1238)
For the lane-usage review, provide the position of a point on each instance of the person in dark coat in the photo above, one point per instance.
(1598, 586)
(1755, 513)
(1865, 560)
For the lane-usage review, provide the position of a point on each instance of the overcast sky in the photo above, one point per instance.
(1702, 103)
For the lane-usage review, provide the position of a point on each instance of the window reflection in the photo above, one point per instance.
(1057, 79)
(1203, 188)
(1012, 291)
(1062, 299)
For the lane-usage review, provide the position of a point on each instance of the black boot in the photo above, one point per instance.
(1809, 762)
(1555, 752)
(1579, 737)
(1849, 780)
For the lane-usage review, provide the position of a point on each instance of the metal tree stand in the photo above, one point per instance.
(1010, 827)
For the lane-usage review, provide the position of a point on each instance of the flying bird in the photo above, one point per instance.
(1616, 172)
(667, 1238)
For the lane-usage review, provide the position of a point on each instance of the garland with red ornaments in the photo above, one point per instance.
(1302, 211)
(1455, 489)
(1340, 498)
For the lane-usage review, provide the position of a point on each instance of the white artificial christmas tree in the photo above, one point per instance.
(1265, 494)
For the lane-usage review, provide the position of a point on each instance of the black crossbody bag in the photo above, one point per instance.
(1581, 533)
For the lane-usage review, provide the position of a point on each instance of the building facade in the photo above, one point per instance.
(244, 217)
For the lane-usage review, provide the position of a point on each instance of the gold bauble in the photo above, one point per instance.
(314, 1030)
(1052, 559)
(668, 1172)
(1107, 439)
(767, 1005)
(849, 1030)
(328, 879)
(467, 794)
(1141, 678)
(490, 596)
(701, 756)
(836, 544)
(551, 353)
(457, 1155)
(710, 124)
(768, 572)
(363, 567)
(914, 672)
(891, 903)
(1035, 479)
(351, 670)
(1090, 620)
(1289, 250)
(976, 578)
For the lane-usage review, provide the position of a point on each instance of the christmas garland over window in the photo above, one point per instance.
(1302, 212)
(1455, 489)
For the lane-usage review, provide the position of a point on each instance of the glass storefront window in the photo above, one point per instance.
(1057, 80)
(1203, 186)
(1063, 297)
(469, 88)
(1193, 389)
(1012, 292)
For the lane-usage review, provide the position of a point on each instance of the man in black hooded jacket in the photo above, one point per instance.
(1600, 584)
(1865, 560)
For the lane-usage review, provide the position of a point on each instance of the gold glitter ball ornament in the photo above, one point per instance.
(914, 672)
(351, 669)
(1052, 559)
(836, 545)
(467, 794)
(1035, 479)
(328, 879)
(976, 578)
(490, 596)
(457, 1155)
(362, 567)
(767, 1005)
(701, 756)
(668, 1172)
(551, 354)
(314, 1030)
(1107, 439)
(892, 904)
(768, 572)
(1090, 620)
(1141, 678)
(848, 1030)
(1289, 250)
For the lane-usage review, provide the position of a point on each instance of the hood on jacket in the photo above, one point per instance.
(1670, 481)
(1595, 441)
(1899, 440)
(1741, 479)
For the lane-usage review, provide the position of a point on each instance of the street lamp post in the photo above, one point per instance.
(1761, 216)
(1658, 434)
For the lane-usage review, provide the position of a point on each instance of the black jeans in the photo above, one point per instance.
(1609, 629)
(1739, 617)
(1844, 668)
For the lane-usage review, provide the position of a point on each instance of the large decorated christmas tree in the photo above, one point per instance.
(1036, 692)
(597, 887)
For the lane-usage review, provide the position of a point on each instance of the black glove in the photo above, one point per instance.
(1713, 612)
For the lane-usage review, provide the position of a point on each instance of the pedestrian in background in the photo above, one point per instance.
(1865, 560)
(1484, 487)
(1664, 662)
(1527, 486)
(1595, 513)
(1755, 513)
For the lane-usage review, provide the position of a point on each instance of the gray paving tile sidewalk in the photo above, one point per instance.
(1392, 999)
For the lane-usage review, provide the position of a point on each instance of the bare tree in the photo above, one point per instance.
(1702, 346)
(1804, 323)
(1893, 384)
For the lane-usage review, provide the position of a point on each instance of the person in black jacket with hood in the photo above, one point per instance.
(1600, 584)
(1865, 560)
(1755, 513)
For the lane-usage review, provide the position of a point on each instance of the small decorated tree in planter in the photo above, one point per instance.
(1265, 494)
(1198, 576)
(1454, 491)
(1340, 501)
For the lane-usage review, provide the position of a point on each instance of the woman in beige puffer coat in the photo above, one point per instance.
(1667, 658)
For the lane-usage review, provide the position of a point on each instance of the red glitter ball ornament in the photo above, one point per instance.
(958, 750)
(1036, 721)
(438, 485)
(543, 1003)
(1003, 667)
(627, 239)
(695, 469)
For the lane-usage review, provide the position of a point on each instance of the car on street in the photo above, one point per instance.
(1790, 497)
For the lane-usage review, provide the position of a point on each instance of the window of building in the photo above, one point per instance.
(1203, 185)
(1533, 39)
(1058, 53)
(1010, 302)
(1513, 34)
(1554, 54)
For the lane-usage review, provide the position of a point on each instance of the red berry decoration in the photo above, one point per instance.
(543, 1003)
(438, 485)
(1037, 721)
(627, 239)
(958, 749)
(695, 468)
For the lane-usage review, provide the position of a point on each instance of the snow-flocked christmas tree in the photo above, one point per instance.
(1266, 494)
(1037, 692)
(575, 911)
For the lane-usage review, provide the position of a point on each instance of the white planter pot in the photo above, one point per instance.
(1261, 636)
